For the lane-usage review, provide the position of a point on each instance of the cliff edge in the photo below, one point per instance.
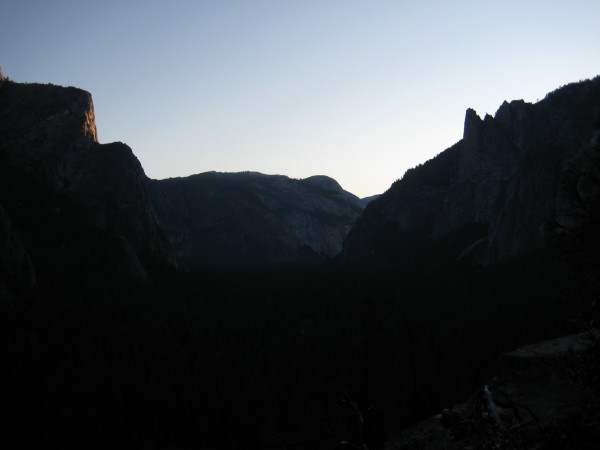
(54, 168)
(487, 198)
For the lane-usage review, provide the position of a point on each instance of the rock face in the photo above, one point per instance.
(538, 399)
(16, 269)
(48, 136)
(239, 219)
(487, 198)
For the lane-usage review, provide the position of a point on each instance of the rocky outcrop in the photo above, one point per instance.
(112, 181)
(239, 219)
(48, 135)
(539, 398)
(488, 197)
(46, 129)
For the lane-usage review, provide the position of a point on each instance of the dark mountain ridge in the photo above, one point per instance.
(48, 139)
(248, 219)
(488, 198)
(106, 345)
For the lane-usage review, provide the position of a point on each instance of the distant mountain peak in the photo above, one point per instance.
(324, 182)
(252, 219)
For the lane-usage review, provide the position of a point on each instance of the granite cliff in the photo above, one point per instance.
(489, 197)
(57, 176)
(49, 144)
(241, 219)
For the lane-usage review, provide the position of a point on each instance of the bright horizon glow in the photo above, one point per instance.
(359, 91)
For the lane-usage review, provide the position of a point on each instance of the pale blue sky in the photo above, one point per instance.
(357, 90)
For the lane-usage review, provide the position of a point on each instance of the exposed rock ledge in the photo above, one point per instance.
(538, 399)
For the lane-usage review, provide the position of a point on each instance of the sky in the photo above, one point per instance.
(357, 90)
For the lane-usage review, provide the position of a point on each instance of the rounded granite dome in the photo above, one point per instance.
(324, 182)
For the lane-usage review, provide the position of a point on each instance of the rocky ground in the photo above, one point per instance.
(541, 398)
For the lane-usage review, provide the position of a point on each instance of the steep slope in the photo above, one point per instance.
(237, 219)
(53, 167)
(366, 200)
(487, 198)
